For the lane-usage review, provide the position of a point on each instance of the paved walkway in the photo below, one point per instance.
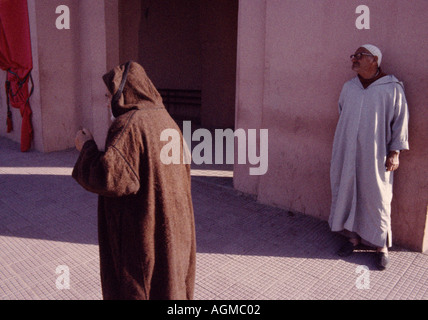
(246, 250)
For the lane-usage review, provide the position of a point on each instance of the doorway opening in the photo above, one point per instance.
(188, 48)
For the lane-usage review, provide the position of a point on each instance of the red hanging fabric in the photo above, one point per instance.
(16, 58)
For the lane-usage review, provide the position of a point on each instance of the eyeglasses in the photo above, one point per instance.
(358, 56)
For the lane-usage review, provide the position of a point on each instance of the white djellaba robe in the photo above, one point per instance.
(372, 122)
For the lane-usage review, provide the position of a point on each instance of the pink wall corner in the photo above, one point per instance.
(249, 81)
(93, 62)
(59, 85)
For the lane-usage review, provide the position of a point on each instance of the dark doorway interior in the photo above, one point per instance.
(188, 48)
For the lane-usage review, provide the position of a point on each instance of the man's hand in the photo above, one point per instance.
(392, 161)
(81, 137)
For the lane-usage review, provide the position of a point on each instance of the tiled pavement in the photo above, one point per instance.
(246, 250)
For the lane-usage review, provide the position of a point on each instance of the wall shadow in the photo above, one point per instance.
(47, 207)
(56, 208)
(229, 222)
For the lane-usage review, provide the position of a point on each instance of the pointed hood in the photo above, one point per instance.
(384, 80)
(138, 90)
(388, 79)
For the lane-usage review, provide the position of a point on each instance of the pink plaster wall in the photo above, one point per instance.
(68, 66)
(93, 61)
(298, 53)
(249, 81)
(58, 83)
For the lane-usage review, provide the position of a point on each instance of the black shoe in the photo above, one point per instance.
(347, 249)
(382, 260)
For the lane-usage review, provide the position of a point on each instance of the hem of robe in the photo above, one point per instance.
(347, 233)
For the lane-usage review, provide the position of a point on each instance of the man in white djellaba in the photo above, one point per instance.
(371, 132)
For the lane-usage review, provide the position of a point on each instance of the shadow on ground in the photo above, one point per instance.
(55, 207)
(228, 222)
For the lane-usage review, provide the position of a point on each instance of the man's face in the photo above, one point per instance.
(363, 61)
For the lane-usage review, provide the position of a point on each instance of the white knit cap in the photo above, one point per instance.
(374, 51)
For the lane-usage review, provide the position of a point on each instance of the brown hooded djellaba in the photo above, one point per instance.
(146, 226)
